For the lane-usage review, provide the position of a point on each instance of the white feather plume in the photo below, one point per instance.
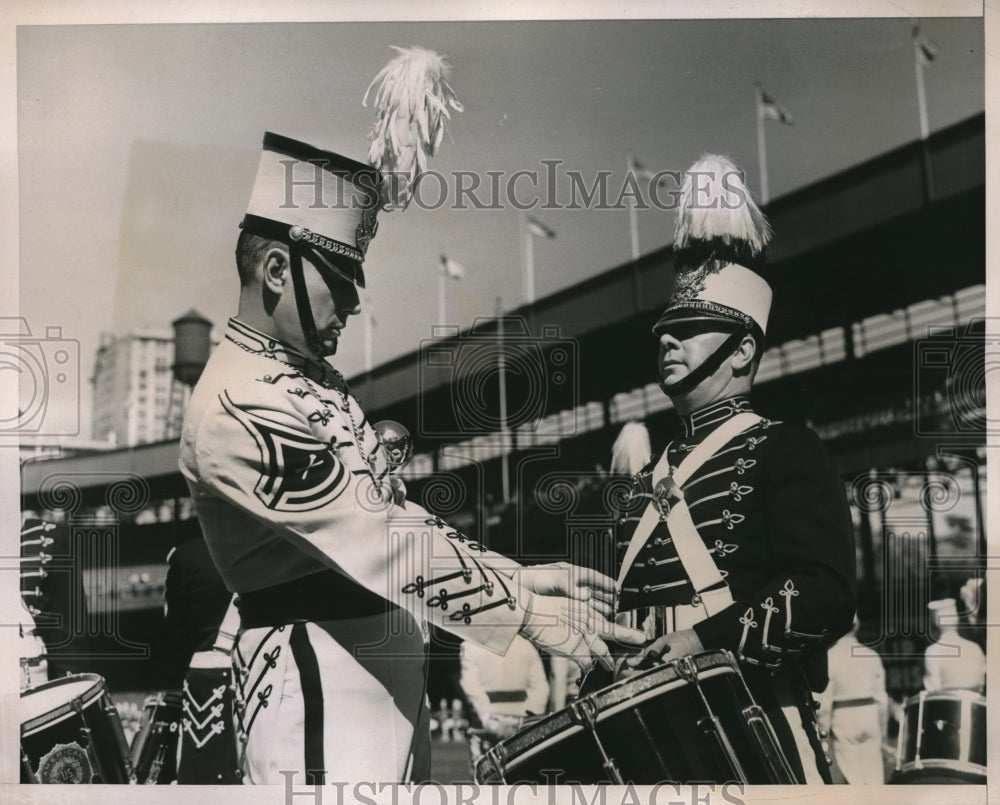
(716, 206)
(413, 102)
(632, 449)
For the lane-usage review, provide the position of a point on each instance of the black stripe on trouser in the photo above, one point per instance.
(312, 703)
(420, 745)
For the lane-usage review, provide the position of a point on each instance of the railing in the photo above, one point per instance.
(800, 355)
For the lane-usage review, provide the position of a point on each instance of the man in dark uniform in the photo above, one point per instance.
(739, 537)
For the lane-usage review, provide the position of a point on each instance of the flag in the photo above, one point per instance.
(925, 50)
(770, 109)
(452, 268)
(537, 228)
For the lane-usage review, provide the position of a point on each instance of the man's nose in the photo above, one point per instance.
(668, 341)
(351, 303)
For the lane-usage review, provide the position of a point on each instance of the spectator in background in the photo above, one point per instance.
(951, 661)
(510, 685)
(503, 690)
(854, 710)
(973, 595)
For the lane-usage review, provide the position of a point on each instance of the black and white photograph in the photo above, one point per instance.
(583, 402)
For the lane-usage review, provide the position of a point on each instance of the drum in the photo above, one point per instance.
(70, 733)
(689, 720)
(154, 748)
(942, 738)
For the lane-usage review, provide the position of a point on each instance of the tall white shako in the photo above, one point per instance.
(720, 240)
(323, 205)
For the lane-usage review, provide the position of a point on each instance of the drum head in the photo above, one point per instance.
(55, 699)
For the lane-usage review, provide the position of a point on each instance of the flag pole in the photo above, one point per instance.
(369, 362)
(529, 265)
(633, 223)
(925, 128)
(761, 146)
(502, 374)
(441, 304)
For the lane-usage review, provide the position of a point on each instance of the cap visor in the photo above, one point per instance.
(349, 270)
(681, 316)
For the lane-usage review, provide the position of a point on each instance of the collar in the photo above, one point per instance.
(252, 340)
(700, 422)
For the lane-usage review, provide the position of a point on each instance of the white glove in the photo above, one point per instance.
(572, 628)
(572, 581)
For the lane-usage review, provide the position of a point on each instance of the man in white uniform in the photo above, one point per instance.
(855, 710)
(333, 568)
(952, 661)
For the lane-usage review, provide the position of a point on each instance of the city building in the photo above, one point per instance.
(137, 399)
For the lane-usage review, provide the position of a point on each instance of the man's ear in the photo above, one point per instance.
(744, 354)
(276, 275)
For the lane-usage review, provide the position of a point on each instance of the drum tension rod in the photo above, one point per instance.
(917, 763)
(156, 766)
(498, 757)
(767, 744)
(26, 768)
(87, 739)
(710, 723)
(116, 726)
(584, 711)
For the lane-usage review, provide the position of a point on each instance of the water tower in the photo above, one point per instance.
(192, 345)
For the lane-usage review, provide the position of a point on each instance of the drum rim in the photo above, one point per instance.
(87, 698)
(945, 694)
(608, 700)
(966, 766)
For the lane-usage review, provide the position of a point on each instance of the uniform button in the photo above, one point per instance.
(696, 601)
(646, 589)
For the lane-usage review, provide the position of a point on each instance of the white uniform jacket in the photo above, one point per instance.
(288, 479)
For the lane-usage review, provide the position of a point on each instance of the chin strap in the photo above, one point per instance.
(306, 319)
(709, 365)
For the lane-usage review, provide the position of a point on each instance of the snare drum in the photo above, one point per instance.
(70, 733)
(690, 720)
(155, 746)
(942, 738)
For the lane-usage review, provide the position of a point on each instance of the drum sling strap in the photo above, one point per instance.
(208, 745)
(711, 590)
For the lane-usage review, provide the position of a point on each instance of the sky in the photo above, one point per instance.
(138, 144)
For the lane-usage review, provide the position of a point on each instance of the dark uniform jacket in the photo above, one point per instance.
(771, 509)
